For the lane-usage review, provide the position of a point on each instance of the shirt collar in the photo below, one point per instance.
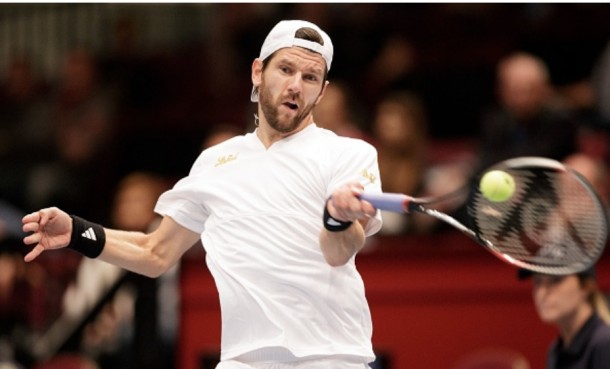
(257, 142)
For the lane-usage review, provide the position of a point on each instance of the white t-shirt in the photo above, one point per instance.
(259, 213)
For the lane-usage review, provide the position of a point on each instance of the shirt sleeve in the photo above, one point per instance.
(181, 202)
(356, 161)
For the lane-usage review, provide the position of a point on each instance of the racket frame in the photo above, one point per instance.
(395, 202)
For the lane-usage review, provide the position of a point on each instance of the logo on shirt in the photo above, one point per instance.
(370, 176)
(225, 159)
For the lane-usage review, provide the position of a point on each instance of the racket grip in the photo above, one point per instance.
(395, 202)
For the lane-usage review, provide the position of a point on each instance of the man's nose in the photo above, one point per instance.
(295, 85)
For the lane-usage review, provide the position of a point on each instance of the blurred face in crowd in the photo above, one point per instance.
(79, 73)
(332, 111)
(593, 169)
(394, 124)
(290, 86)
(523, 85)
(558, 299)
(20, 80)
(135, 202)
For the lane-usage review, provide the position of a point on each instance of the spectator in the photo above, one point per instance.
(143, 309)
(80, 171)
(23, 124)
(17, 96)
(400, 135)
(394, 68)
(524, 123)
(576, 306)
(574, 303)
(595, 170)
(337, 111)
(30, 299)
(13, 301)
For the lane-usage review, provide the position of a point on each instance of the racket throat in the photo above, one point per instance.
(413, 206)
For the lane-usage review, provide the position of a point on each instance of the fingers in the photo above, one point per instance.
(32, 239)
(31, 227)
(31, 218)
(346, 205)
(368, 209)
(45, 214)
(34, 253)
(34, 222)
(30, 224)
(41, 216)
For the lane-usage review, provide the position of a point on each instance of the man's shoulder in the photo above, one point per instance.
(229, 148)
(343, 141)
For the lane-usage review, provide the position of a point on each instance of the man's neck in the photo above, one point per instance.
(268, 135)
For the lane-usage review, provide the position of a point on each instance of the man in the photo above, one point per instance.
(525, 122)
(278, 213)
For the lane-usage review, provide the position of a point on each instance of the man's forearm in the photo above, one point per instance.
(148, 254)
(132, 251)
(339, 247)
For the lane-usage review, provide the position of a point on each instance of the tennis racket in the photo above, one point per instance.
(554, 223)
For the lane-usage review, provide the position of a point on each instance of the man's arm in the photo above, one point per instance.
(148, 254)
(345, 206)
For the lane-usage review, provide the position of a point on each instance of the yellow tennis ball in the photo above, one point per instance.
(497, 186)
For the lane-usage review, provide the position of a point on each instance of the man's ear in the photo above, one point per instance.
(322, 93)
(257, 72)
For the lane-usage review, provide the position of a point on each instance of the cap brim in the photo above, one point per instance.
(525, 273)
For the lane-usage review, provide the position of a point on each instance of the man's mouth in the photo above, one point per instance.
(291, 105)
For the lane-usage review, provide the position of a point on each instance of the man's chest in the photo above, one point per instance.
(269, 181)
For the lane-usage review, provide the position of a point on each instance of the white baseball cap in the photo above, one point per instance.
(282, 36)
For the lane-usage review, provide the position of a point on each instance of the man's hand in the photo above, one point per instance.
(52, 230)
(345, 205)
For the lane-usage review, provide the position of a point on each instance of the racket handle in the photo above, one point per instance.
(395, 202)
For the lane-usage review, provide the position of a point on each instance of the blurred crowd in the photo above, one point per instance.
(116, 130)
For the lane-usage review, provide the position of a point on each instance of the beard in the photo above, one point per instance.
(272, 114)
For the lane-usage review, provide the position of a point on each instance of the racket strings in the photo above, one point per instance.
(552, 220)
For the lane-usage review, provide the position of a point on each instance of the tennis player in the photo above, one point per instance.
(278, 213)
